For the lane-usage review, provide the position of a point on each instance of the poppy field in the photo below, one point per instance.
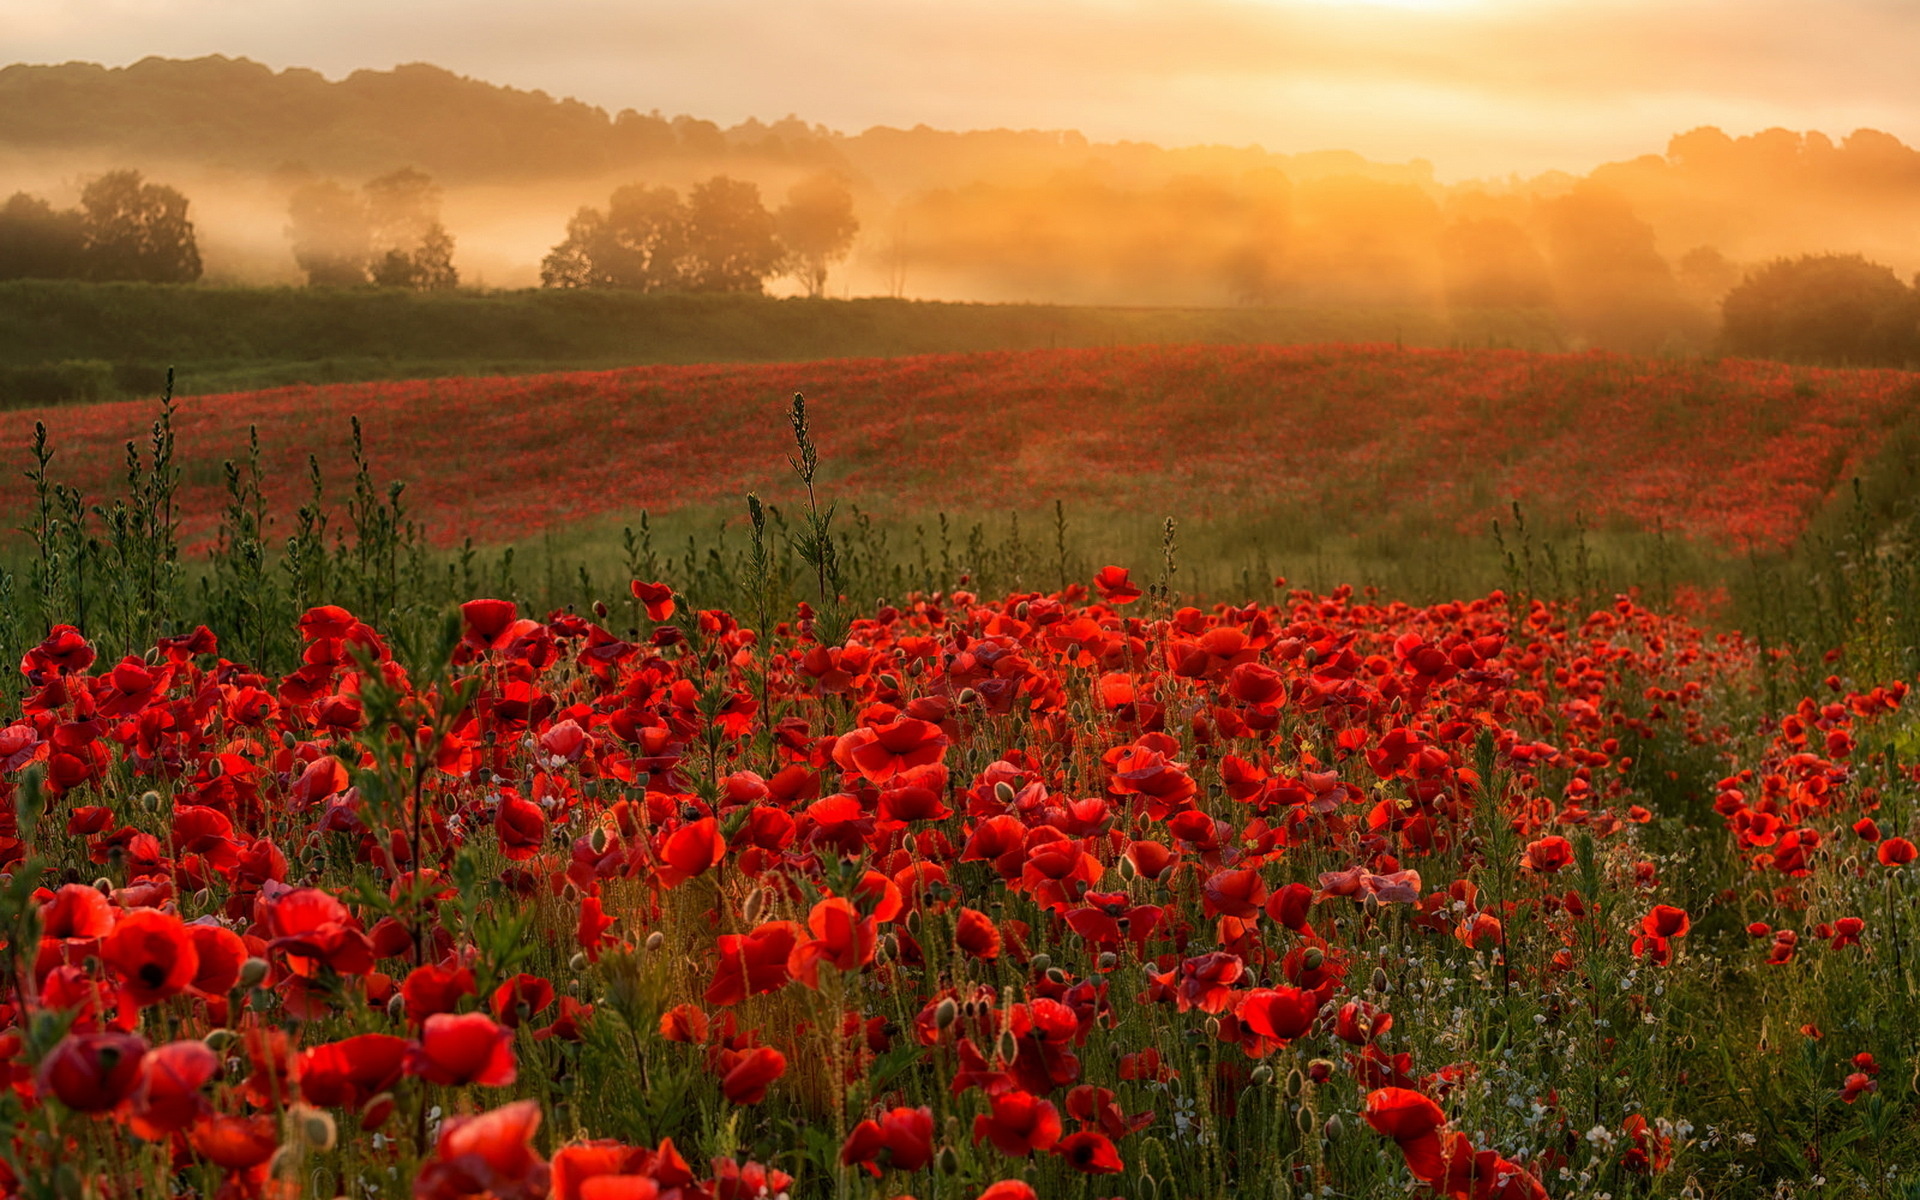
(1731, 454)
(348, 885)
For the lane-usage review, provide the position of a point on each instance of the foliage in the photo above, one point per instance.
(1827, 308)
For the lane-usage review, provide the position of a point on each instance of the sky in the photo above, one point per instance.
(1480, 88)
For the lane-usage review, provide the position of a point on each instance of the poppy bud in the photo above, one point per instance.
(1296, 1082)
(600, 610)
(1127, 870)
(287, 740)
(1320, 1070)
(396, 1006)
(316, 1126)
(945, 1013)
(913, 921)
(252, 972)
(969, 696)
(203, 898)
(1108, 959)
(104, 886)
(578, 962)
(1213, 1027)
(1003, 792)
(890, 681)
(1008, 1046)
(1314, 958)
(1262, 1075)
(1041, 962)
(598, 839)
(1303, 1118)
(949, 1161)
(1056, 976)
(483, 776)
(656, 939)
(1331, 1130)
(1380, 983)
(219, 1039)
(750, 911)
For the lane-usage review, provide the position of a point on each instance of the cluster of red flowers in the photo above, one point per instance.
(1734, 452)
(1012, 823)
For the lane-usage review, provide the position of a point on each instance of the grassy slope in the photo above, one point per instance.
(229, 339)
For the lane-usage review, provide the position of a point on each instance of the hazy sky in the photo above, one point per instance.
(1479, 87)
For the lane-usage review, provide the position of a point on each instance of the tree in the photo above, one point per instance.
(411, 248)
(36, 242)
(639, 242)
(1823, 308)
(731, 242)
(427, 268)
(332, 241)
(816, 227)
(134, 230)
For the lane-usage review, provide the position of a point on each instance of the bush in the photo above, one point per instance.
(1827, 308)
(78, 381)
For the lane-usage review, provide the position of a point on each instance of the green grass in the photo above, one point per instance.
(62, 341)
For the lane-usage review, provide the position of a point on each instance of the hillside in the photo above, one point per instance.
(1736, 455)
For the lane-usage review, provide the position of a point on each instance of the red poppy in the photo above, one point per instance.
(841, 937)
(691, 850)
(76, 912)
(435, 988)
(747, 1081)
(754, 963)
(236, 1143)
(1090, 1153)
(1009, 1189)
(167, 1097)
(490, 1154)
(1666, 921)
(1548, 855)
(1896, 852)
(521, 825)
(350, 1072)
(1020, 1124)
(1403, 1114)
(1279, 1014)
(888, 750)
(657, 597)
(976, 935)
(521, 997)
(311, 924)
(458, 1049)
(1114, 586)
(153, 954)
(92, 1072)
(684, 1023)
(1234, 894)
(221, 954)
(901, 1138)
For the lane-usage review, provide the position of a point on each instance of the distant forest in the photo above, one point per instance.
(1636, 254)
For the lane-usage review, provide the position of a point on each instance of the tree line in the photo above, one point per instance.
(720, 238)
(125, 228)
(387, 233)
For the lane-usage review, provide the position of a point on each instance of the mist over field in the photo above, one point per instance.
(1635, 253)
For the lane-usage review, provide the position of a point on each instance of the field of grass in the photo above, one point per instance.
(62, 341)
(873, 846)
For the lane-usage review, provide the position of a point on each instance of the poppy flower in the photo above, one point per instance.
(236, 1143)
(754, 963)
(167, 1097)
(312, 924)
(1114, 586)
(1548, 855)
(221, 954)
(684, 1023)
(747, 1081)
(1896, 852)
(1090, 1153)
(1279, 1014)
(691, 850)
(1019, 1124)
(519, 998)
(888, 750)
(76, 912)
(152, 953)
(841, 937)
(458, 1049)
(434, 988)
(1009, 1189)
(1666, 921)
(976, 935)
(1234, 894)
(902, 1138)
(1403, 1114)
(521, 826)
(92, 1072)
(489, 1154)
(350, 1072)
(657, 597)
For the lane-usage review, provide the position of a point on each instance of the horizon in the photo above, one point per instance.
(1479, 89)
